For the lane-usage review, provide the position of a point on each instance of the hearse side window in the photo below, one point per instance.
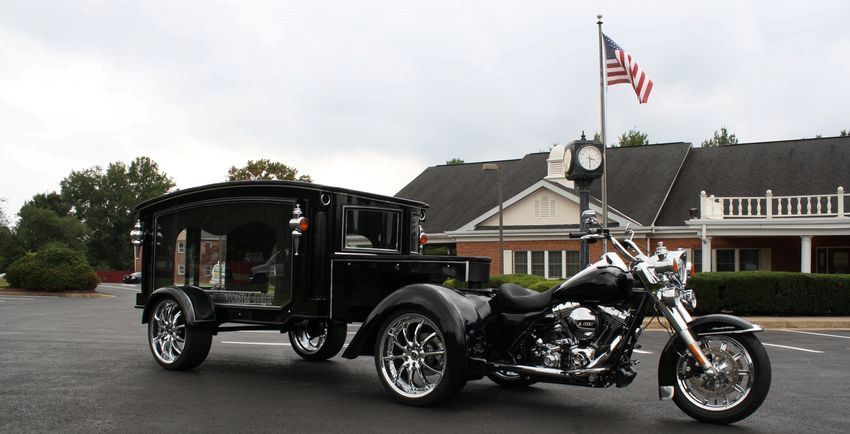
(372, 229)
(239, 252)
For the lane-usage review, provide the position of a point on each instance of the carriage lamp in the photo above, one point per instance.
(423, 239)
(137, 235)
(299, 224)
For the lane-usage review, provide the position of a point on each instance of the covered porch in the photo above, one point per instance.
(805, 233)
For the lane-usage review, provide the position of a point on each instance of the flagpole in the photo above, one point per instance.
(602, 136)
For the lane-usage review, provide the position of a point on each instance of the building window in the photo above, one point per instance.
(373, 229)
(207, 270)
(181, 270)
(544, 208)
(725, 259)
(538, 263)
(181, 247)
(573, 263)
(555, 269)
(551, 264)
(697, 260)
(520, 262)
(748, 260)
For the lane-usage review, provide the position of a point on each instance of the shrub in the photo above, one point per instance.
(772, 293)
(54, 268)
(529, 281)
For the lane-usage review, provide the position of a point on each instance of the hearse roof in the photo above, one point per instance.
(260, 188)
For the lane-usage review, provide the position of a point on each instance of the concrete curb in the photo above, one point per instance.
(783, 322)
(63, 294)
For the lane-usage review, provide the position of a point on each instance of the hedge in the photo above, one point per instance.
(54, 268)
(772, 293)
(529, 281)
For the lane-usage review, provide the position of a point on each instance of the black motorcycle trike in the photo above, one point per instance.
(308, 259)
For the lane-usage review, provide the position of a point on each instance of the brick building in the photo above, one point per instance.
(760, 206)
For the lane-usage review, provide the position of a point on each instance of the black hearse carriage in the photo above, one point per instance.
(296, 257)
(307, 259)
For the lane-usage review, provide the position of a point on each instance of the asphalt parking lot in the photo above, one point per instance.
(83, 365)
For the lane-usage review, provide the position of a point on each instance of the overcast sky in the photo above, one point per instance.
(367, 94)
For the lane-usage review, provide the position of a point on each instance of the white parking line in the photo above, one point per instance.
(258, 343)
(816, 334)
(10, 297)
(642, 352)
(258, 331)
(274, 344)
(792, 348)
(126, 288)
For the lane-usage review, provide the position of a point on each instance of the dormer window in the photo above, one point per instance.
(544, 207)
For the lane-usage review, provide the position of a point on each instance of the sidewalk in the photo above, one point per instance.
(786, 322)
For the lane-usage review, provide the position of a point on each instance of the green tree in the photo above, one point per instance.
(720, 138)
(38, 227)
(633, 137)
(10, 248)
(844, 133)
(52, 201)
(265, 169)
(104, 201)
(454, 161)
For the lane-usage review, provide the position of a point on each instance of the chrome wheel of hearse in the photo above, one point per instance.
(317, 340)
(738, 389)
(174, 344)
(414, 360)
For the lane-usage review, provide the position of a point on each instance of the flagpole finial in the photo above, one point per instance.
(599, 18)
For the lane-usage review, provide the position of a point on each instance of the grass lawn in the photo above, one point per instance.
(3, 284)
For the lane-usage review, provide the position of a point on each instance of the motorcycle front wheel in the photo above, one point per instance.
(738, 389)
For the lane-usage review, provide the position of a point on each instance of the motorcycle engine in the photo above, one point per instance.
(577, 333)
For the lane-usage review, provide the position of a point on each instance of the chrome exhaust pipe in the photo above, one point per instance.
(557, 374)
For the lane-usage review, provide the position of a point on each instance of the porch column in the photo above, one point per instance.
(706, 254)
(805, 253)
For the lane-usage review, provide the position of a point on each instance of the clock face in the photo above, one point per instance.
(589, 157)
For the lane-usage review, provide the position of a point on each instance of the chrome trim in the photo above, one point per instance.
(754, 329)
(547, 372)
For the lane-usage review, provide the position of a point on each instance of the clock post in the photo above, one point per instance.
(585, 166)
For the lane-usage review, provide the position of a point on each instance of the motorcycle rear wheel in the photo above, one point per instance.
(740, 387)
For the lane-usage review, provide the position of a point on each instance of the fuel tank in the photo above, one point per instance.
(599, 283)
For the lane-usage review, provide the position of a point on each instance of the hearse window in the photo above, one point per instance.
(240, 253)
(373, 229)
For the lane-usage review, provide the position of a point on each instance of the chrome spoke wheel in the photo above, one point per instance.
(731, 385)
(412, 355)
(310, 338)
(167, 331)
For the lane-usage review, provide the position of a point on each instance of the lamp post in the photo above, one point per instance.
(494, 166)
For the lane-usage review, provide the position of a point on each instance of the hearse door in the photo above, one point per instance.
(240, 252)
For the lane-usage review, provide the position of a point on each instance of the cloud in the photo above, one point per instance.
(379, 90)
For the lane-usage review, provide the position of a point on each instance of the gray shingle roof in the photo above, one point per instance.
(639, 179)
(791, 167)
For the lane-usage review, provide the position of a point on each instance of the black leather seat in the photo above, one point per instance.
(511, 297)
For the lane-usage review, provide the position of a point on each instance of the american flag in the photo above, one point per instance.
(623, 69)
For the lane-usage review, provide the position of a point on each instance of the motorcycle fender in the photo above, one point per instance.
(703, 326)
(197, 305)
(459, 315)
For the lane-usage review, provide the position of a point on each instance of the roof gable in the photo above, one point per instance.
(460, 193)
